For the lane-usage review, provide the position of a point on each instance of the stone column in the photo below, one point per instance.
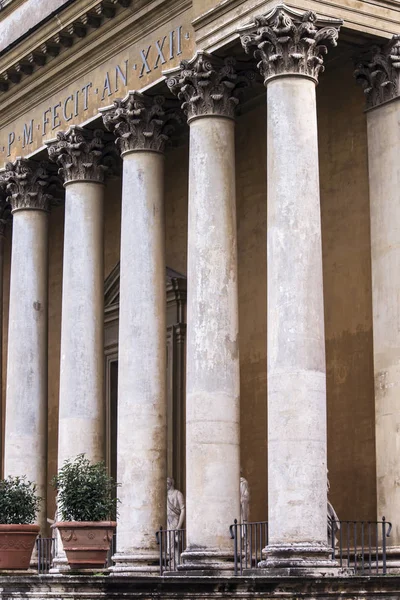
(288, 46)
(79, 154)
(81, 407)
(4, 218)
(380, 77)
(26, 398)
(141, 125)
(208, 89)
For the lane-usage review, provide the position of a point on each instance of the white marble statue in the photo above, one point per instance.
(244, 500)
(175, 506)
(54, 532)
(332, 521)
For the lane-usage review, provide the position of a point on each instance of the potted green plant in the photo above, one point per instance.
(87, 503)
(19, 505)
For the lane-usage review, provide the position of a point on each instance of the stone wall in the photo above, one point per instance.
(347, 293)
(251, 184)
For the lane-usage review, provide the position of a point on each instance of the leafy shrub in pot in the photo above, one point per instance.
(19, 504)
(87, 505)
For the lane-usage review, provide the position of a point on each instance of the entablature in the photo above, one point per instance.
(218, 27)
(129, 52)
(54, 37)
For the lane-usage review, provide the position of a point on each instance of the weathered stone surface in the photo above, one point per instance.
(140, 122)
(25, 449)
(79, 154)
(207, 85)
(296, 351)
(379, 73)
(81, 410)
(142, 444)
(5, 207)
(212, 403)
(25, 17)
(25, 189)
(290, 42)
(27, 185)
(193, 588)
(384, 181)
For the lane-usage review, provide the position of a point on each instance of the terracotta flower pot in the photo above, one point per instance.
(86, 543)
(16, 545)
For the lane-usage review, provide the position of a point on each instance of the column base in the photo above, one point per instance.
(60, 565)
(206, 560)
(60, 561)
(303, 560)
(392, 560)
(146, 564)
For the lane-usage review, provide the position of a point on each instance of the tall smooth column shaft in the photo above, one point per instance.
(384, 181)
(81, 408)
(297, 475)
(141, 465)
(26, 398)
(212, 392)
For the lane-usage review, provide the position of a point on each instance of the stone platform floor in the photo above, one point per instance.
(98, 587)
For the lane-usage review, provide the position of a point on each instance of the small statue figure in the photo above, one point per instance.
(175, 506)
(54, 533)
(333, 522)
(244, 500)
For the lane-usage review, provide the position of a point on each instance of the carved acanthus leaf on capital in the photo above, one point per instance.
(28, 185)
(140, 122)
(80, 154)
(5, 206)
(208, 85)
(289, 42)
(379, 73)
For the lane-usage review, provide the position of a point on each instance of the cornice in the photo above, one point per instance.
(119, 33)
(45, 29)
(56, 36)
(8, 6)
(218, 26)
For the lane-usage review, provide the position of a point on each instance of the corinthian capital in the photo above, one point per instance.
(5, 208)
(140, 122)
(289, 42)
(27, 185)
(3, 189)
(207, 85)
(379, 73)
(80, 154)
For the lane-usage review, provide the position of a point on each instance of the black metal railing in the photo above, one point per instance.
(171, 542)
(249, 539)
(45, 549)
(361, 545)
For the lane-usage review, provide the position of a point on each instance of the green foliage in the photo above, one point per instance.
(19, 502)
(85, 491)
